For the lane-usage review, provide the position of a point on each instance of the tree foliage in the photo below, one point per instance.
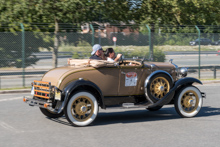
(180, 12)
(50, 15)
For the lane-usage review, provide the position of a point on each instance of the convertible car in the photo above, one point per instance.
(81, 87)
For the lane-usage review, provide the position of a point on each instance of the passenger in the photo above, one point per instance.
(110, 54)
(97, 53)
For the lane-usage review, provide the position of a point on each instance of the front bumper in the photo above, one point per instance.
(38, 103)
(203, 94)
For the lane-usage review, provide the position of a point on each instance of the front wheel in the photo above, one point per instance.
(81, 109)
(188, 101)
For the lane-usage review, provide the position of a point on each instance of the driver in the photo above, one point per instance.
(97, 53)
(110, 54)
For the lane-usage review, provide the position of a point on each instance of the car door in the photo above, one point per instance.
(129, 79)
(107, 79)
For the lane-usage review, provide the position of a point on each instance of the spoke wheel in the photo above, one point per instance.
(81, 109)
(188, 101)
(158, 86)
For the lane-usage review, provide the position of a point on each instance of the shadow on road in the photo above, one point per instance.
(132, 116)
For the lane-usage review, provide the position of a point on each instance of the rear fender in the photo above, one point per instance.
(79, 85)
(146, 83)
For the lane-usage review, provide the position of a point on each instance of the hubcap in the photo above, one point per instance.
(159, 87)
(189, 101)
(82, 108)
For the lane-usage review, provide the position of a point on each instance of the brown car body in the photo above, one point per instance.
(109, 77)
(79, 88)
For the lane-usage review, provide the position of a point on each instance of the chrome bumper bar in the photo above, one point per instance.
(203, 94)
(38, 103)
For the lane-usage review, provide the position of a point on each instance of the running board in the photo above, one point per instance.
(132, 105)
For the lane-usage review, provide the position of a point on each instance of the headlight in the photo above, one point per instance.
(57, 94)
(183, 71)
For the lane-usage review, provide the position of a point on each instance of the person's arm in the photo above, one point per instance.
(118, 57)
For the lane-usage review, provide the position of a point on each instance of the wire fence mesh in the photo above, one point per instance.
(132, 42)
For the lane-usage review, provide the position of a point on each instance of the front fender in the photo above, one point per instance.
(169, 96)
(186, 81)
(69, 89)
(155, 73)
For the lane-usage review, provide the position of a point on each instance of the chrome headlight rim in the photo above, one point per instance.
(183, 71)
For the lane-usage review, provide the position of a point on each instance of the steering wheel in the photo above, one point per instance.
(121, 60)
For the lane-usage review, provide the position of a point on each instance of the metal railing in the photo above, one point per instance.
(24, 50)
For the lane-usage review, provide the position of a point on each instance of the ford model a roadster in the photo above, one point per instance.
(79, 89)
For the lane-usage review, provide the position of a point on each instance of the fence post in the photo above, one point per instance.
(199, 48)
(214, 72)
(149, 34)
(91, 26)
(23, 53)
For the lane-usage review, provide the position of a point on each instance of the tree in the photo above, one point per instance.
(54, 12)
(178, 13)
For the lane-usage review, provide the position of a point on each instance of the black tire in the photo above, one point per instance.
(188, 101)
(81, 109)
(155, 108)
(158, 86)
(51, 114)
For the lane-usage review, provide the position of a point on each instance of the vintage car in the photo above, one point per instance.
(81, 87)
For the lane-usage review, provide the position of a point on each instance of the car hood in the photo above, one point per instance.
(160, 65)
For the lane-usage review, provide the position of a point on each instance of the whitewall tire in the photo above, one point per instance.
(81, 109)
(188, 101)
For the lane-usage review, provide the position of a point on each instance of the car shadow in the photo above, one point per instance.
(145, 115)
(133, 116)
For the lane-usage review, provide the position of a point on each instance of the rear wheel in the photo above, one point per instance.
(81, 109)
(188, 101)
(51, 114)
(155, 108)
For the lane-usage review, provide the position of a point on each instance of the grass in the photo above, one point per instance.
(131, 48)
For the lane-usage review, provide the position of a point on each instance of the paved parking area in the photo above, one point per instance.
(21, 125)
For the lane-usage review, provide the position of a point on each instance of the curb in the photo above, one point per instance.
(15, 91)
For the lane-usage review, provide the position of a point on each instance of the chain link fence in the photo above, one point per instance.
(25, 57)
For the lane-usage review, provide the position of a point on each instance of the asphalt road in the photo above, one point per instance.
(22, 125)
(193, 60)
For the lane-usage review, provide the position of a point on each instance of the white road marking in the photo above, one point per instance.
(10, 99)
(10, 128)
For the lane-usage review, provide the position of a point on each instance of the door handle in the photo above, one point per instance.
(123, 73)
